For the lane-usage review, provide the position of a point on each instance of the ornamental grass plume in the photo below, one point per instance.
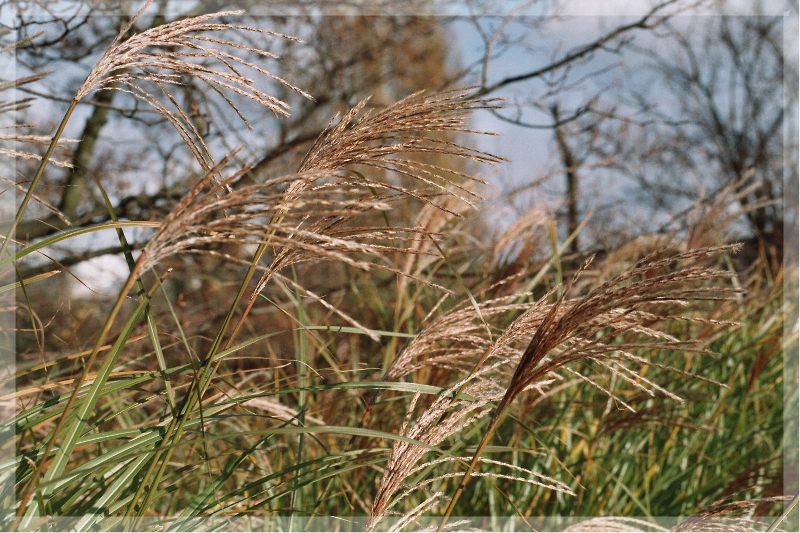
(734, 516)
(362, 142)
(319, 211)
(453, 410)
(11, 143)
(147, 64)
(457, 339)
(608, 326)
(603, 524)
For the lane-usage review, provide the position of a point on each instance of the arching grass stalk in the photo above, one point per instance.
(497, 417)
(61, 459)
(151, 324)
(175, 429)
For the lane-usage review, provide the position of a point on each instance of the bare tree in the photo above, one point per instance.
(571, 165)
(722, 119)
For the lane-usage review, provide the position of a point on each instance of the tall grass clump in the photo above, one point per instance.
(373, 357)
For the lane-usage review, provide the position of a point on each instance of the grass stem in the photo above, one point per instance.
(473, 464)
(60, 461)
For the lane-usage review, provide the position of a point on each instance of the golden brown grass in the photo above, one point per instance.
(478, 348)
